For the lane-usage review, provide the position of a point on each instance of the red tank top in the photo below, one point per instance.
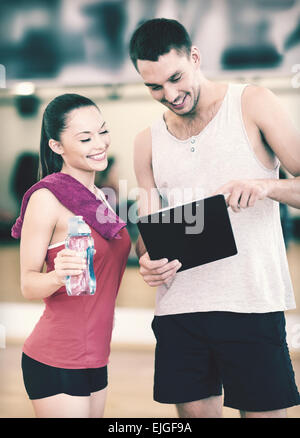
(75, 332)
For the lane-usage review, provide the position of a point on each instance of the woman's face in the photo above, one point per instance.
(85, 140)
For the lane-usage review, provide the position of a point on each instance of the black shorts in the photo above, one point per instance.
(199, 355)
(42, 380)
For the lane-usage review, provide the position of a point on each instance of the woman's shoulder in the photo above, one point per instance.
(44, 203)
(43, 196)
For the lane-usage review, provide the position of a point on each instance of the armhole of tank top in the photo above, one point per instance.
(55, 245)
(157, 128)
(153, 128)
(267, 169)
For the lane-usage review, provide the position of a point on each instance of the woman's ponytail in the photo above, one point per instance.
(50, 162)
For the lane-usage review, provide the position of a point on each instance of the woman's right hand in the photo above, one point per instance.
(68, 262)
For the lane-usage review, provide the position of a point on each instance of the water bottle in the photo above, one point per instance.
(80, 239)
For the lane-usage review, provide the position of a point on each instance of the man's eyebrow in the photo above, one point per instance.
(169, 79)
(151, 85)
(88, 132)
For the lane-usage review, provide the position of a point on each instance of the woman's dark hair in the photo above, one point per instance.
(157, 37)
(53, 124)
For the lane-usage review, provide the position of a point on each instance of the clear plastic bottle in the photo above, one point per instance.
(80, 239)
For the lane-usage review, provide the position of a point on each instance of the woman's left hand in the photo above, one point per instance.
(244, 193)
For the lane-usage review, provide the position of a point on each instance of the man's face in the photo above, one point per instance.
(172, 80)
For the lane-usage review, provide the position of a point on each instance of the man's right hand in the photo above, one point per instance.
(157, 272)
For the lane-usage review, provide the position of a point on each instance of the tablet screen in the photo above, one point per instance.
(196, 233)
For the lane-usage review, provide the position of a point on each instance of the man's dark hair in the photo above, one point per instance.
(157, 37)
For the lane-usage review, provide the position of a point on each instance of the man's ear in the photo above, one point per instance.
(195, 56)
(56, 146)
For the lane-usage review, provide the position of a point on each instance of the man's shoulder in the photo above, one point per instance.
(143, 146)
(146, 132)
(257, 101)
(257, 93)
(143, 136)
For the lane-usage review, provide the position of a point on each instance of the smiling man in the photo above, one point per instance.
(220, 325)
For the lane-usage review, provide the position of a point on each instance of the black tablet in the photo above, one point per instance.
(195, 233)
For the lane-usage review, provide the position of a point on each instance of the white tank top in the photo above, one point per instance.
(257, 279)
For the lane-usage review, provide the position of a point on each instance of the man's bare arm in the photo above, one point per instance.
(266, 111)
(154, 272)
(284, 139)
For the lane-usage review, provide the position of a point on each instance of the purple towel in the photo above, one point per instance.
(78, 199)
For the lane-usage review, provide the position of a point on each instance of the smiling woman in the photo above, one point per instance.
(66, 376)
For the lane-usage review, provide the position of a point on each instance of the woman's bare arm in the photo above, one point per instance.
(38, 225)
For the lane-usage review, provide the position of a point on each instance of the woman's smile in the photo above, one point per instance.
(98, 156)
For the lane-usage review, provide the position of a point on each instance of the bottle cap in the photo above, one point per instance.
(73, 224)
(76, 225)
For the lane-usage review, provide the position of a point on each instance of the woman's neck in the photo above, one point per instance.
(86, 178)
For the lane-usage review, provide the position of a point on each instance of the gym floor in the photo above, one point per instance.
(131, 366)
(130, 386)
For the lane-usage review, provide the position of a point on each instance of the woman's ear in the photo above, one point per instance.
(56, 146)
